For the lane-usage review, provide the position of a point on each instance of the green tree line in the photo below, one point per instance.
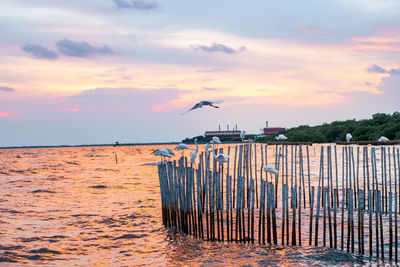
(380, 124)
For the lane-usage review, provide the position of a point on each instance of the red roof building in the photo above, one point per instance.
(272, 130)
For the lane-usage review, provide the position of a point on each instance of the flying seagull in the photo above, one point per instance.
(205, 103)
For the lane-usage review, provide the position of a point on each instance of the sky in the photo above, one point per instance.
(100, 71)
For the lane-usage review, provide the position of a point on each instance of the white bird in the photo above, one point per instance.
(163, 153)
(216, 140)
(181, 146)
(170, 151)
(242, 135)
(193, 154)
(270, 169)
(205, 103)
(383, 139)
(348, 137)
(221, 158)
(281, 137)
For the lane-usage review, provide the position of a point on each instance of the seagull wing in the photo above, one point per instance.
(198, 105)
(211, 103)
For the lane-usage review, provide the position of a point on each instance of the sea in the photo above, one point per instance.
(85, 206)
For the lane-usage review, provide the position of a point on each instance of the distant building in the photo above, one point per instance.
(228, 135)
(272, 130)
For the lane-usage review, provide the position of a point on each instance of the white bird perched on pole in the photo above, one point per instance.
(348, 137)
(170, 151)
(205, 103)
(181, 146)
(216, 140)
(281, 137)
(193, 154)
(242, 135)
(163, 153)
(270, 169)
(221, 158)
(383, 139)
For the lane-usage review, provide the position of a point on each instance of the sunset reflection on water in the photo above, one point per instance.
(77, 206)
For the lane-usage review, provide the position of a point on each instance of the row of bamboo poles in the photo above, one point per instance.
(351, 204)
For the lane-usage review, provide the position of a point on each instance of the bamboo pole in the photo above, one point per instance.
(370, 233)
(261, 210)
(273, 206)
(395, 204)
(309, 176)
(299, 223)
(294, 201)
(390, 226)
(284, 189)
(335, 194)
(311, 214)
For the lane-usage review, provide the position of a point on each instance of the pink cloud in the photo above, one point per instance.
(7, 115)
(160, 108)
(382, 39)
(167, 107)
(74, 109)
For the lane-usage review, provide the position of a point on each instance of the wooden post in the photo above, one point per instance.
(273, 205)
(395, 204)
(311, 213)
(370, 233)
(299, 224)
(335, 194)
(381, 225)
(252, 210)
(263, 214)
(284, 189)
(255, 172)
(359, 221)
(318, 200)
(390, 226)
(328, 203)
(234, 175)
(294, 201)
(309, 177)
(261, 209)
(268, 213)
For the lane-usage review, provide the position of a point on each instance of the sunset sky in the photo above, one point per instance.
(100, 71)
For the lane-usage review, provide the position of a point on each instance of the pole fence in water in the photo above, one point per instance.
(352, 204)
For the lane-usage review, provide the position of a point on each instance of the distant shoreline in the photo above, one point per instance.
(93, 145)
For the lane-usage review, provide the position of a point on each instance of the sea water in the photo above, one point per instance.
(71, 206)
